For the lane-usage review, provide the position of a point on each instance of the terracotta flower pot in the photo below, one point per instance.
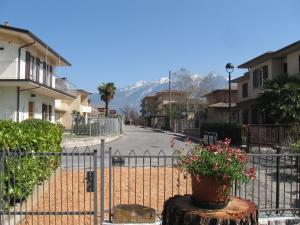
(207, 192)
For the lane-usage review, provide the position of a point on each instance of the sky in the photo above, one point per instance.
(125, 41)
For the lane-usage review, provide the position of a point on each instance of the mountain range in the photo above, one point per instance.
(133, 94)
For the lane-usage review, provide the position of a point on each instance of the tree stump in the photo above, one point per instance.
(180, 210)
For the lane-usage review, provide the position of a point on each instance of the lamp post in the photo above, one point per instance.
(229, 69)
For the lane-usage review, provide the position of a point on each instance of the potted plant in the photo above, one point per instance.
(213, 170)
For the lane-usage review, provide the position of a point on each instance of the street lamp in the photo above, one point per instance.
(229, 69)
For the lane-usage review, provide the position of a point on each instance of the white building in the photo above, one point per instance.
(28, 84)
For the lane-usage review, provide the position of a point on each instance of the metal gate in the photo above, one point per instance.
(49, 187)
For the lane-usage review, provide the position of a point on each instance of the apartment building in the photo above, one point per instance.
(270, 65)
(156, 109)
(217, 109)
(65, 107)
(28, 81)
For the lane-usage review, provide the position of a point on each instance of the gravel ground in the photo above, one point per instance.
(67, 193)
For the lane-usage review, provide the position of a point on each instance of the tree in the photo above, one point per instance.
(130, 113)
(106, 92)
(280, 99)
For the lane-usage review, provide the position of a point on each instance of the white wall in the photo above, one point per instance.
(8, 61)
(8, 104)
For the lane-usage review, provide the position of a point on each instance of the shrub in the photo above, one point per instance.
(23, 168)
(224, 130)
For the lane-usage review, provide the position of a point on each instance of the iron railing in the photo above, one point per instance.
(49, 187)
(79, 186)
(150, 179)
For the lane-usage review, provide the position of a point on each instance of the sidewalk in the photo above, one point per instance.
(79, 141)
(196, 139)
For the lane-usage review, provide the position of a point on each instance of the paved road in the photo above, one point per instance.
(135, 139)
(142, 139)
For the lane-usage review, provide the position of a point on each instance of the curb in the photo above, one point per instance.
(87, 141)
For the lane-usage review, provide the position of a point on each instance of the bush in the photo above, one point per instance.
(23, 167)
(224, 130)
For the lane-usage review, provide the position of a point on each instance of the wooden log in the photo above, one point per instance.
(180, 210)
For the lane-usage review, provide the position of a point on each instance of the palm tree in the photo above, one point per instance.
(106, 92)
(281, 99)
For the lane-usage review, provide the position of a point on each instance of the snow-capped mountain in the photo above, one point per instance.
(133, 94)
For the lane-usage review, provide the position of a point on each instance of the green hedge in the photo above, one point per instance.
(224, 130)
(23, 168)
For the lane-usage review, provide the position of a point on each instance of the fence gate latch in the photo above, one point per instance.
(90, 181)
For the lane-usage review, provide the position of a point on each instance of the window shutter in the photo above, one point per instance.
(37, 69)
(27, 65)
(265, 72)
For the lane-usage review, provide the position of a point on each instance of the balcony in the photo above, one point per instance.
(61, 106)
(85, 109)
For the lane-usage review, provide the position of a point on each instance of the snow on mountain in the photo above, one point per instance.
(133, 94)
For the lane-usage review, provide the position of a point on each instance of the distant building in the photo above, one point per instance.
(270, 65)
(217, 109)
(156, 109)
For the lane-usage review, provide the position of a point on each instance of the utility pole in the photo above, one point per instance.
(170, 100)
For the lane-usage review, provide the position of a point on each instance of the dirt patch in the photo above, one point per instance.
(67, 193)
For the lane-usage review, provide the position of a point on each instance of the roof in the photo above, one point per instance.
(261, 58)
(246, 76)
(222, 105)
(83, 91)
(35, 38)
(269, 55)
(233, 88)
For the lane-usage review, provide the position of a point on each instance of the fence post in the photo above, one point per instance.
(109, 178)
(277, 178)
(248, 138)
(102, 181)
(95, 189)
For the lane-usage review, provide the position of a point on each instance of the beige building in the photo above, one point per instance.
(270, 65)
(64, 108)
(217, 110)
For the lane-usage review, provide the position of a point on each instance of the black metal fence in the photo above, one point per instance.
(83, 185)
(151, 179)
(48, 187)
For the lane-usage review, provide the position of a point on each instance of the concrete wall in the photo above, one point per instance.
(8, 104)
(8, 61)
(253, 92)
(293, 62)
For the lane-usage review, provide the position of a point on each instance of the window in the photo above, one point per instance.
(37, 67)
(44, 112)
(50, 112)
(44, 73)
(245, 90)
(32, 71)
(31, 110)
(285, 68)
(255, 78)
(265, 72)
(260, 77)
(27, 65)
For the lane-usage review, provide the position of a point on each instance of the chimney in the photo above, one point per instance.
(5, 23)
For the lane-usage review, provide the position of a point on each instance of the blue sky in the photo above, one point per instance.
(125, 41)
